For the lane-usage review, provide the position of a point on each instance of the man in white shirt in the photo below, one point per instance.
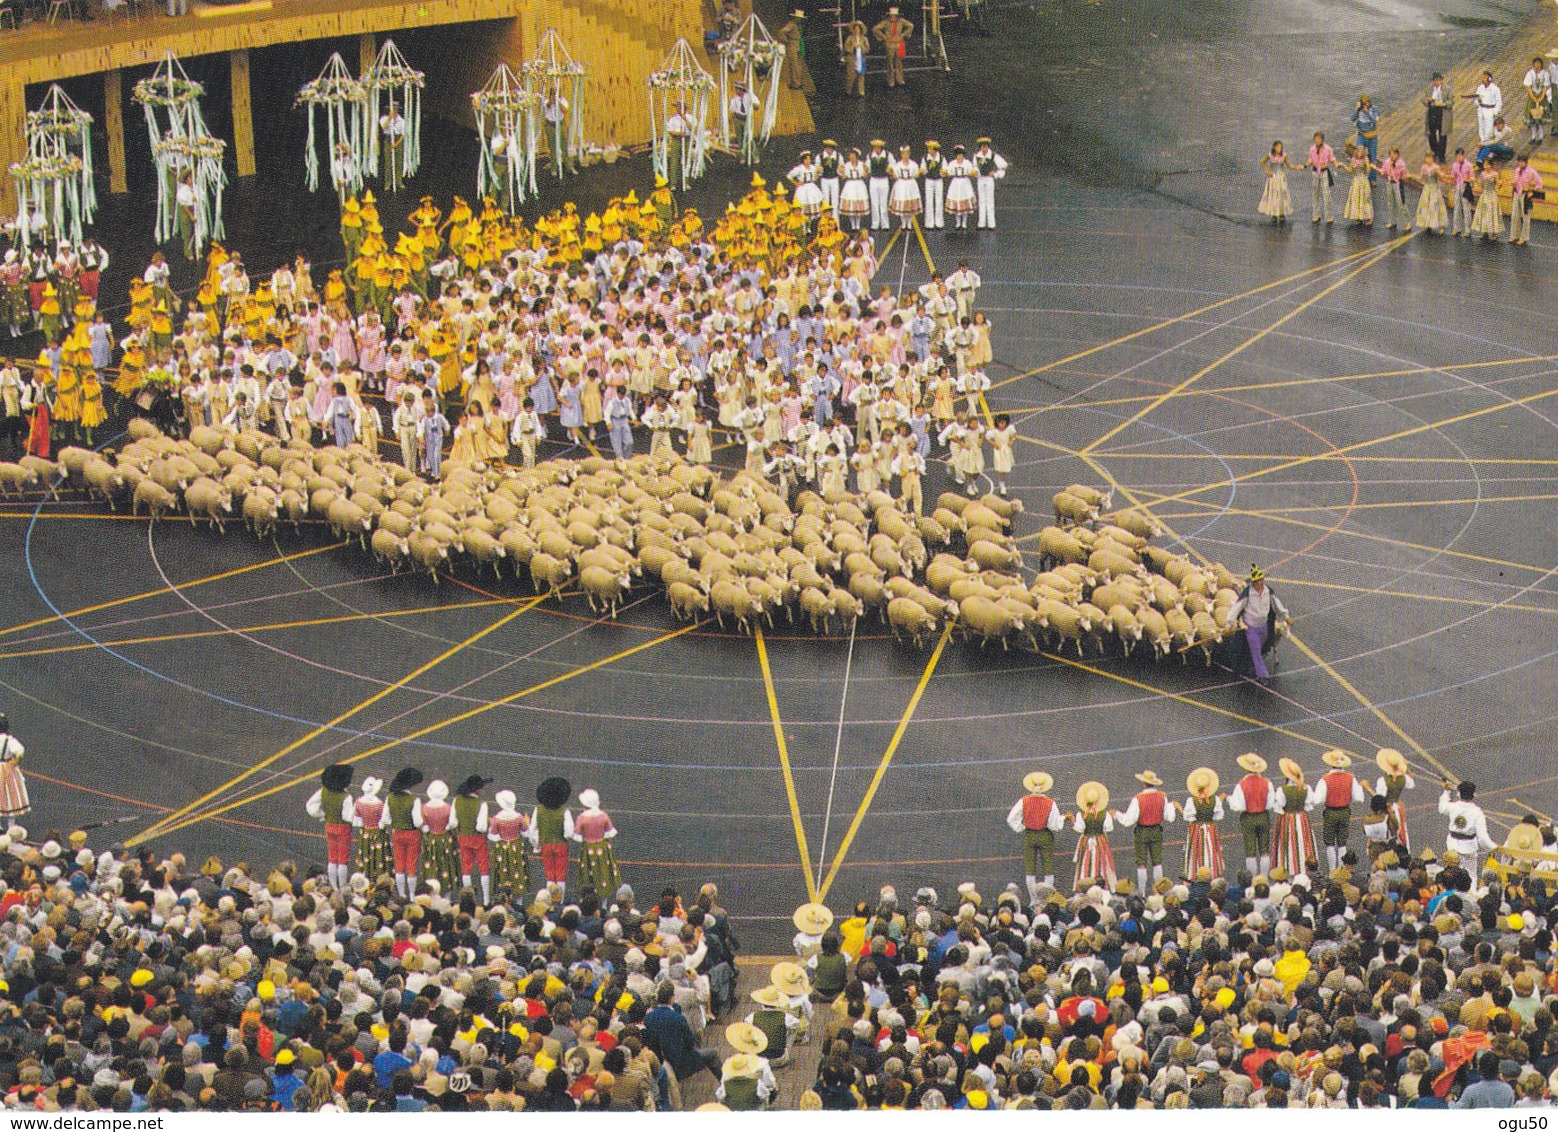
(1261, 610)
(964, 284)
(1468, 832)
(1490, 104)
(184, 199)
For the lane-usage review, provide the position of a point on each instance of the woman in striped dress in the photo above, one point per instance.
(1432, 214)
(1293, 840)
(510, 852)
(370, 817)
(1276, 200)
(1488, 220)
(1204, 809)
(595, 833)
(440, 857)
(1093, 860)
(13, 787)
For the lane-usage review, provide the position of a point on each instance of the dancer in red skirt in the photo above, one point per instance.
(13, 787)
(1094, 862)
(1203, 848)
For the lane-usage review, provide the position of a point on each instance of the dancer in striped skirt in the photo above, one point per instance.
(1094, 862)
(1203, 848)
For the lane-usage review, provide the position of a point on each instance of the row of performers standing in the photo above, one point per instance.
(457, 838)
(44, 288)
(878, 188)
(1274, 823)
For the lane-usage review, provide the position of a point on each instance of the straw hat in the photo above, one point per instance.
(741, 1065)
(1391, 761)
(1202, 782)
(1524, 838)
(790, 979)
(813, 919)
(1252, 763)
(768, 996)
(711, 1106)
(746, 1038)
(1149, 777)
(1092, 796)
(1337, 757)
(1291, 770)
(1038, 782)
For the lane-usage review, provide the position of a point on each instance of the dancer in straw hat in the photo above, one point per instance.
(1203, 810)
(1038, 819)
(332, 805)
(1293, 841)
(746, 1079)
(1093, 860)
(1251, 800)
(1337, 790)
(1150, 810)
(774, 1021)
(794, 987)
(811, 921)
(1393, 783)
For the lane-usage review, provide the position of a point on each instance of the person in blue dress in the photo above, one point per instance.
(823, 388)
(543, 397)
(343, 416)
(100, 338)
(571, 408)
(1366, 119)
(432, 429)
(619, 423)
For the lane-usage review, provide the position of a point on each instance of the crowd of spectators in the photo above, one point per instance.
(134, 983)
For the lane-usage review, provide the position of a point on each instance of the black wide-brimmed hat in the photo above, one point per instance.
(337, 777)
(554, 791)
(472, 784)
(405, 780)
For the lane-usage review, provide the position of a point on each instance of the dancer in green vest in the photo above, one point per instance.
(470, 827)
(551, 828)
(405, 823)
(332, 805)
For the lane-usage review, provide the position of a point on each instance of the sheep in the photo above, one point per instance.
(817, 607)
(991, 555)
(260, 508)
(989, 620)
(139, 428)
(347, 519)
(952, 501)
(1126, 627)
(157, 499)
(1124, 537)
(72, 462)
(1092, 496)
(1002, 505)
(1155, 628)
(389, 549)
(908, 617)
(207, 498)
(846, 606)
(481, 546)
(731, 599)
(868, 590)
(949, 520)
(1057, 546)
(549, 571)
(686, 601)
(427, 551)
(1135, 522)
(1207, 634)
(1071, 510)
(603, 588)
(932, 531)
(1181, 629)
(103, 480)
(293, 506)
(978, 515)
(1066, 622)
(15, 478)
(1112, 565)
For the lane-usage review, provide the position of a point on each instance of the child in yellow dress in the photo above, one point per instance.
(92, 412)
(700, 449)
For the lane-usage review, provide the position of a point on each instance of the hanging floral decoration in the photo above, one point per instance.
(394, 116)
(753, 59)
(679, 92)
(55, 178)
(552, 74)
(508, 124)
(180, 144)
(344, 101)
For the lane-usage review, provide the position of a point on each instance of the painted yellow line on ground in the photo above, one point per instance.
(1347, 685)
(1204, 455)
(1258, 336)
(1183, 698)
(469, 713)
(274, 626)
(1030, 411)
(1346, 449)
(74, 613)
(1188, 315)
(882, 259)
(1215, 509)
(887, 759)
(1290, 581)
(784, 764)
(1410, 503)
(176, 815)
(924, 248)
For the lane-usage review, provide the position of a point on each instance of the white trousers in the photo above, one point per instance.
(935, 198)
(830, 194)
(879, 188)
(984, 192)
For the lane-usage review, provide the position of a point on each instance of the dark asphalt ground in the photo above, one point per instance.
(1377, 431)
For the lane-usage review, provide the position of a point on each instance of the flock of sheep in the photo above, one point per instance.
(728, 547)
